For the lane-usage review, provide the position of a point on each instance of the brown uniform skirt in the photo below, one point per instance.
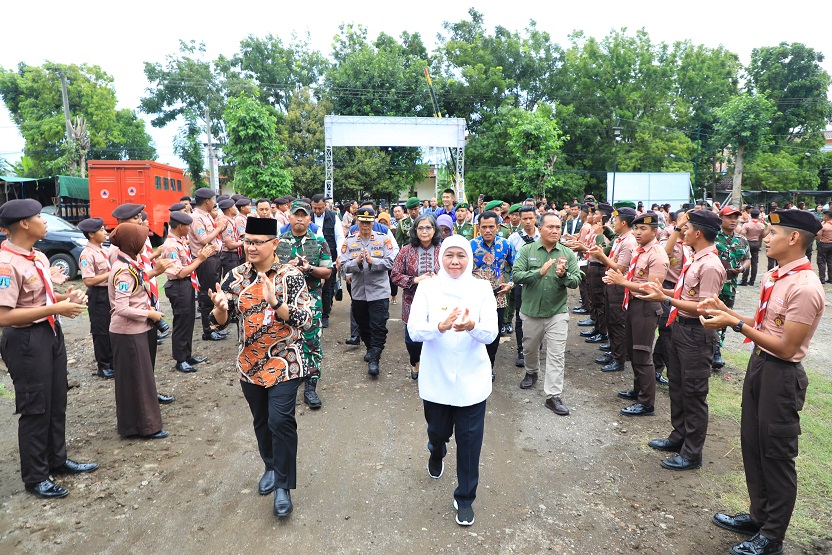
(137, 406)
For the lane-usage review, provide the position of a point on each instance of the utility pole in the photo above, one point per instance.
(211, 176)
(696, 163)
(65, 96)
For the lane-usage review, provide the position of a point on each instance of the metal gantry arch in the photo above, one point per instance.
(380, 131)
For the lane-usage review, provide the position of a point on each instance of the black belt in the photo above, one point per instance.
(667, 284)
(685, 321)
(770, 357)
(596, 264)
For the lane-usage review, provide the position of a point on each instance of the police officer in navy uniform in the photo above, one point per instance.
(33, 348)
(791, 305)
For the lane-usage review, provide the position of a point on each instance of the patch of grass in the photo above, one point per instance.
(5, 393)
(813, 512)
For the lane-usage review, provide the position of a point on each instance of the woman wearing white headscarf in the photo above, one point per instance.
(454, 315)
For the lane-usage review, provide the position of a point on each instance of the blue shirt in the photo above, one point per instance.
(377, 227)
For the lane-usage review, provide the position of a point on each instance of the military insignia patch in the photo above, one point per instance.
(641, 272)
(124, 287)
(84, 262)
(778, 322)
(648, 220)
(774, 218)
(692, 292)
(673, 261)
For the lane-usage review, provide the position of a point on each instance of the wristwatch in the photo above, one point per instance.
(277, 305)
(738, 327)
(677, 228)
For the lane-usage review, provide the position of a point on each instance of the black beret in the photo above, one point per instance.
(181, 218)
(605, 209)
(365, 214)
(242, 201)
(91, 225)
(261, 226)
(176, 207)
(221, 198)
(226, 203)
(825, 212)
(144, 216)
(127, 211)
(648, 218)
(18, 209)
(705, 218)
(204, 192)
(754, 212)
(626, 213)
(798, 219)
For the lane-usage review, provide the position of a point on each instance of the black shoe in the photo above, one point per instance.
(661, 380)
(165, 399)
(184, 366)
(213, 336)
(464, 515)
(664, 445)
(310, 396)
(493, 376)
(579, 310)
(324, 322)
(528, 381)
(372, 368)
(503, 331)
(339, 295)
(605, 347)
(630, 395)
(717, 362)
(266, 485)
(72, 467)
(162, 326)
(162, 335)
(435, 468)
(555, 405)
(758, 545)
(282, 503)
(741, 523)
(368, 356)
(586, 322)
(192, 360)
(598, 338)
(637, 409)
(509, 328)
(742, 284)
(223, 333)
(681, 463)
(520, 362)
(613, 366)
(589, 333)
(604, 360)
(353, 340)
(197, 316)
(106, 373)
(161, 434)
(751, 283)
(159, 341)
(47, 490)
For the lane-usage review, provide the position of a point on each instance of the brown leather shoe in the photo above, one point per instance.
(528, 381)
(555, 405)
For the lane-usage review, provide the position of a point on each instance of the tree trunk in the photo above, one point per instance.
(736, 191)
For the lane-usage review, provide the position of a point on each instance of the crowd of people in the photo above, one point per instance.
(468, 275)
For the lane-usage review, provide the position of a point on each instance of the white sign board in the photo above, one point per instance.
(660, 188)
(394, 131)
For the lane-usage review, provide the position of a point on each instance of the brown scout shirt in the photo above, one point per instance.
(94, 262)
(795, 298)
(176, 249)
(703, 279)
(825, 233)
(202, 225)
(240, 221)
(20, 284)
(753, 230)
(623, 249)
(676, 260)
(230, 233)
(652, 261)
(128, 300)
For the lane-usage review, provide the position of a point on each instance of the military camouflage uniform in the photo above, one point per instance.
(733, 251)
(316, 252)
(402, 232)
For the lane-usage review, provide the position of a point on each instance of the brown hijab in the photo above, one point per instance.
(129, 238)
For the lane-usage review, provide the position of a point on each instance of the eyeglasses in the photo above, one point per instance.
(256, 242)
(424, 228)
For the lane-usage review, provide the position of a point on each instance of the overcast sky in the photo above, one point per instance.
(120, 37)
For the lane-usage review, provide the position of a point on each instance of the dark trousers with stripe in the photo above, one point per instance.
(595, 273)
(208, 274)
(615, 322)
(36, 359)
(180, 294)
(98, 306)
(468, 425)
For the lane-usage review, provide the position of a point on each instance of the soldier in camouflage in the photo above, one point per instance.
(735, 253)
(310, 253)
(402, 232)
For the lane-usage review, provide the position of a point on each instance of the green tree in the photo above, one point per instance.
(188, 146)
(254, 149)
(742, 127)
(302, 132)
(535, 139)
(32, 95)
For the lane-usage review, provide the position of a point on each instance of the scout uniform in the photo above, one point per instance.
(229, 255)
(676, 260)
(641, 320)
(466, 229)
(370, 288)
(621, 254)
(95, 261)
(315, 250)
(35, 356)
(824, 237)
(691, 347)
(209, 271)
(595, 270)
(774, 392)
(180, 294)
(753, 230)
(240, 220)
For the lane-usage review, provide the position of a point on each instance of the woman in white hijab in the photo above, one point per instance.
(454, 315)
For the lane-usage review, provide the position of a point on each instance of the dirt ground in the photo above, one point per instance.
(586, 483)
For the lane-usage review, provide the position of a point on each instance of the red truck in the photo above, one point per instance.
(115, 182)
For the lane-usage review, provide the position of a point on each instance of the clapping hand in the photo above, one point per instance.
(613, 277)
(652, 291)
(74, 296)
(219, 298)
(465, 323)
(711, 303)
(206, 251)
(448, 322)
(58, 276)
(367, 257)
(268, 288)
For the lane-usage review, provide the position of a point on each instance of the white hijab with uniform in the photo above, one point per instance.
(454, 369)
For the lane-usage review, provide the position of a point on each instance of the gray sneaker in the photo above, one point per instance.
(464, 515)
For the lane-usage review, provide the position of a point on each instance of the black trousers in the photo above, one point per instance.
(36, 359)
(98, 305)
(208, 274)
(518, 327)
(661, 349)
(228, 261)
(595, 273)
(773, 394)
(825, 261)
(414, 348)
(326, 295)
(275, 427)
(586, 293)
(180, 294)
(394, 289)
(615, 322)
(371, 317)
(688, 371)
(492, 347)
(468, 425)
(750, 274)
